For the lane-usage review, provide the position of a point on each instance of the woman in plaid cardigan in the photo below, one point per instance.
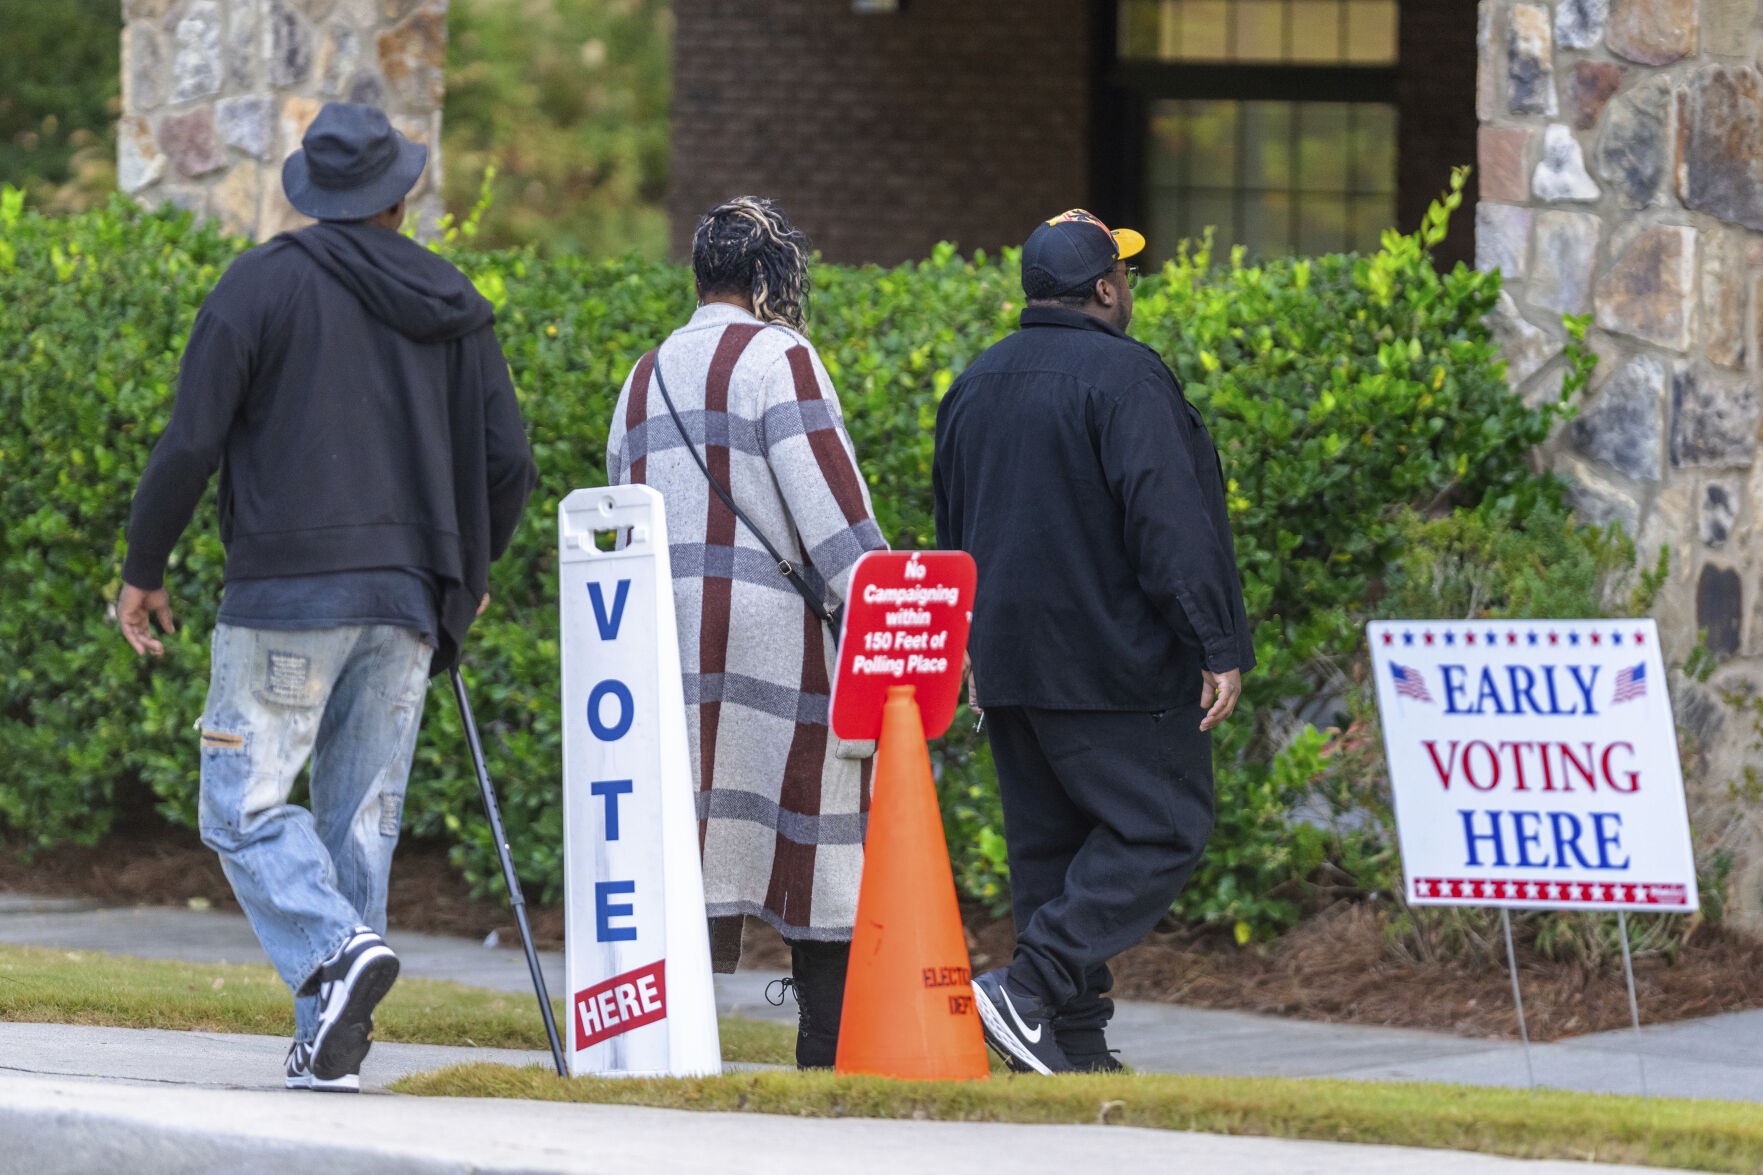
(782, 804)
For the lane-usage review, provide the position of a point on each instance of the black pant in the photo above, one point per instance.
(1105, 814)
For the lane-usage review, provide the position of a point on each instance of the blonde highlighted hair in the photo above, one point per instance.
(749, 246)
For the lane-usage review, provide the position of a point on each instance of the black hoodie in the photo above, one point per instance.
(345, 440)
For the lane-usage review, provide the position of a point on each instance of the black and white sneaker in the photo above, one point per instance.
(301, 1076)
(350, 984)
(1017, 1026)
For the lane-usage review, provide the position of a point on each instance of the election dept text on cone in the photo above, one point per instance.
(908, 1009)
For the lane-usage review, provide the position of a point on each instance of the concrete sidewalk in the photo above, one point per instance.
(82, 1099)
(63, 1127)
(1719, 1057)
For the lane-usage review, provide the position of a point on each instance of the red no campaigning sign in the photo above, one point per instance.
(906, 621)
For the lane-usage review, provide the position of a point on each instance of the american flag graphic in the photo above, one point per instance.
(1631, 684)
(1409, 683)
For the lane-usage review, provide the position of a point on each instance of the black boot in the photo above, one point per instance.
(819, 973)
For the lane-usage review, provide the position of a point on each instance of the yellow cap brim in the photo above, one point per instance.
(1130, 242)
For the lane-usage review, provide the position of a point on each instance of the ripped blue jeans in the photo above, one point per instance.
(350, 699)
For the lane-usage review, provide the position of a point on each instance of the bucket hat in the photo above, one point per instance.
(352, 164)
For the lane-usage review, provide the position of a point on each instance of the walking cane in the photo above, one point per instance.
(515, 901)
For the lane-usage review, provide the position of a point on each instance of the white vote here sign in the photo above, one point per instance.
(1534, 764)
(637, 954)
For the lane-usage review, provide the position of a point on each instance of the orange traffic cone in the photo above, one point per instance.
(908, 1007)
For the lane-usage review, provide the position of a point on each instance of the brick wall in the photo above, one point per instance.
(883, 134)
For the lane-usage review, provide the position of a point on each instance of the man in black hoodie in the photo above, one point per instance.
(348, 384)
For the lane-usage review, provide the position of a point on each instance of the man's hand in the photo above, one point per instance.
(132, 610)
(483, 604)
(1218, 694)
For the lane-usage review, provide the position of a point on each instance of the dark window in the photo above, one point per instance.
(1272, 122)
(1276, 177)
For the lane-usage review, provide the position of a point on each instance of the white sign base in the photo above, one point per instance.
(637, 950)
(1534, 764)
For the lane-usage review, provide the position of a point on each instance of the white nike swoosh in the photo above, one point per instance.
(1032, 1037)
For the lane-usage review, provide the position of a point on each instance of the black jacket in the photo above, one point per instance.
(1074, 471)
(348, 384)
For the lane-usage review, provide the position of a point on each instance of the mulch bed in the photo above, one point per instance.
(1337, 966)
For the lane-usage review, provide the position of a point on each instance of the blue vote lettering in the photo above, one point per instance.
(626, 711)
(611, 789)
(1608, 839)
(1472, 837)
(1528, 838)
(609, 623)
(605, 910)
(1516, 692)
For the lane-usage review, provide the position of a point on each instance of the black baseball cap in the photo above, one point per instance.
(1072, 250)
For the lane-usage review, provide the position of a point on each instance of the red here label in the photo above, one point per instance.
(620, 1004)
(906, 622)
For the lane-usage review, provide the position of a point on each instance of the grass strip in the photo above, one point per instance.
(88, 987)
(1699, 1135)
(48, 986)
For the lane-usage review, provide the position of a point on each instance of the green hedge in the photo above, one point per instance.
(568, 101)
(1341, 389)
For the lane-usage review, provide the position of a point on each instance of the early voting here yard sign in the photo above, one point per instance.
(1534, 764)
(637, 954)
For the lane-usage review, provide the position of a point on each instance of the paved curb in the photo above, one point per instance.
(62, 1127)
(1719, 1057)
(78, 1143)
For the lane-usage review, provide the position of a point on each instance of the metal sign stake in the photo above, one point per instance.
(516, 900)
(1634, 1007)
(1518, 997)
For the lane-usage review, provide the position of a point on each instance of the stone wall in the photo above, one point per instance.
(1621, 160)
(217, 93)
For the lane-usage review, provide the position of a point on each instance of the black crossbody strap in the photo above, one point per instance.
(785, 568)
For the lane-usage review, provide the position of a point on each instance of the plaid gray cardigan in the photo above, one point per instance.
(780, 815)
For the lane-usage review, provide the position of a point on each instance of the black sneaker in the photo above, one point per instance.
(1102, 1062)
(350, 984)
(1017, 1026)
(300, 1075)
(1087, 1050)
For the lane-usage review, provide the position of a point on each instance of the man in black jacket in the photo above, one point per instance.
(1109, 634)
(348, 384)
